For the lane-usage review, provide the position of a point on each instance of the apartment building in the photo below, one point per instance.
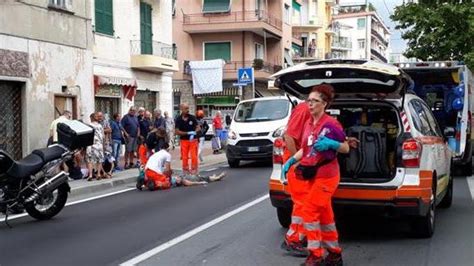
(367, 32)
(133, 55)
(312, 26)
(246, 33)
(45, 68)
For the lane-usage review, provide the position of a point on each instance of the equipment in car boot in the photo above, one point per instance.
(369, 159)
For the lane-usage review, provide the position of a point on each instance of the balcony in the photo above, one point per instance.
(341, 44)
(255, 21)
(312, 24)
(154, 57)
(305, 56)
(296, 38)
(261, 73)
(380, 37)
(331, 2)
(377, 55)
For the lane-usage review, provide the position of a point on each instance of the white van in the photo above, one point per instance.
(255, 125)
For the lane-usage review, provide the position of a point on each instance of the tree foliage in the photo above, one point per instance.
(438, 30)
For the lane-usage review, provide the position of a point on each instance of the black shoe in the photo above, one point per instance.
(312, 260)
(333, 259)
(294, 249)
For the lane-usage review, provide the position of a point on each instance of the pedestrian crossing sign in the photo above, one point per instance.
(245, 75)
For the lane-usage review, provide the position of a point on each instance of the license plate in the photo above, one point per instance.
(253, 149)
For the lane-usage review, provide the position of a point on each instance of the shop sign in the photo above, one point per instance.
(109, 91)
(217, 100)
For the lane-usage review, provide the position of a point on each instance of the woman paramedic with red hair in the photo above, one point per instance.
(317, 163)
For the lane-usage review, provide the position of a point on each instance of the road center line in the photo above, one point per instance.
(470, 185)
(17, 216)
(189, 234)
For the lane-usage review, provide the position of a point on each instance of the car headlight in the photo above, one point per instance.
(232, 135)
(279, 132)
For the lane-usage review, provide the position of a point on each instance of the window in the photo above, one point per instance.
(173, 7)
(215, 6)
(361, 43)
(296, 18)
(146, 33)
(104, 19)
(420, 119)
(360, 23)
(287, 14)
(258, 51)
(60, 3)
(257, 111)
(217, 50)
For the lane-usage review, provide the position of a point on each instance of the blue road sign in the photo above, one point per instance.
(245, 75)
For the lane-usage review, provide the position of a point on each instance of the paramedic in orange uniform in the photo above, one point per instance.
(294, 238)
(318, 218)
(186, 126)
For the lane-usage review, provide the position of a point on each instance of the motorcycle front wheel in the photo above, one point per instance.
(48, 205)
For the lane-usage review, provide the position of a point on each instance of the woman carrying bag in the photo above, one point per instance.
(316, 161)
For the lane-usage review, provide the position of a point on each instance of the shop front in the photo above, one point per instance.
(109, 92)
(224, 101)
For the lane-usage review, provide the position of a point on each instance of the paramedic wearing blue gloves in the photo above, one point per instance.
(186, 127)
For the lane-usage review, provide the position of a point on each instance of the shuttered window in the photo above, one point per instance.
(215, 6)
(146, 34)
(217, 50)
(104, 17)
(296, 6)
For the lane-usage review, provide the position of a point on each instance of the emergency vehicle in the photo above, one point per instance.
(446, 86)
(402, 166)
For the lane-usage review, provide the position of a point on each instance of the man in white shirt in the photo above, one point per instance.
(53, 133)
(158, 173)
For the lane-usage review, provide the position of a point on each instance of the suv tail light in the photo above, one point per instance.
(411, 153)
(278, 146)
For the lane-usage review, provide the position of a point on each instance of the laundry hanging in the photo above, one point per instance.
(207, 76)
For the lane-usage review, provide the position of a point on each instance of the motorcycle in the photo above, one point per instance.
(37, 183)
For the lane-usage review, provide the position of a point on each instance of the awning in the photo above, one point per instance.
(128, 85)
(296, 6)
(216, 6)
(225, 92)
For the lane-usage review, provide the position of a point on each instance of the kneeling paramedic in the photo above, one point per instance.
(316, 162)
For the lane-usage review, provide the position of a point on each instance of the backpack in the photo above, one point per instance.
(369, 160)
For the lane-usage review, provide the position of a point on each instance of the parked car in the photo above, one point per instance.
(254, 127)
(210, 132)
(402, 165)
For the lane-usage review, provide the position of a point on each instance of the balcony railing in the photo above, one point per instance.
(238, 16)
(305, 55)
(381, 38)
(378, 55)
(233, 66)
(343, 43)
(156, 48)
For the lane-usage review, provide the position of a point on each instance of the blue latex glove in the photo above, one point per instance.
(191, 132)
(287, 165)
(323, 144)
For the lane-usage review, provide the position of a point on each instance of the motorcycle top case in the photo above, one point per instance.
(75, 135)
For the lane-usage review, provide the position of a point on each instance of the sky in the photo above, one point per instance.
(384, 9)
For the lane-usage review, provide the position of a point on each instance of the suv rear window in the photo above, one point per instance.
(257, 111)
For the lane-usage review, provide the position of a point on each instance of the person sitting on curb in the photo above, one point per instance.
(158, 173)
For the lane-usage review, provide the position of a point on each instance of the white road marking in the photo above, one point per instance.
(189, 234)
(16, 216)
(211, 169)
(470, 184)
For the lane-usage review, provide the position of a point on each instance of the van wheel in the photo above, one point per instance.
(233, 163)
(284, 217)
(448, 198)
(423, 227)
(466, 169)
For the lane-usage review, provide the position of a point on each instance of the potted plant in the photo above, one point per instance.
(257, 64)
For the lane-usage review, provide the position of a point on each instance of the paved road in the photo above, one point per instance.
(110, 230)
(254, 236)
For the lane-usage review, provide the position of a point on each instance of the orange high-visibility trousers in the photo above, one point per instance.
(298, 189)
(189, 147)
(318, 216)
(161, 181)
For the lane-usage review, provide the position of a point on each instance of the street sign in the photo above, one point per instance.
(245, 75)
(239, 84)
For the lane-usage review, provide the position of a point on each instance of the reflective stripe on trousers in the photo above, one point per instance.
(295, 222)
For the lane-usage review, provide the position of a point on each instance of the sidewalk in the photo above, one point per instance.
(120, 179)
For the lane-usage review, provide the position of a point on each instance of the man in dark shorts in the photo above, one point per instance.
(132, 128)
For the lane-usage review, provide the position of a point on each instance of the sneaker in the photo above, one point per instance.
(333, 259)
(312, 260)
(294, 248)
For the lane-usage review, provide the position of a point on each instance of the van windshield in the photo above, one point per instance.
(257, 111)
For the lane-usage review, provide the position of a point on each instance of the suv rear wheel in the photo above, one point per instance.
(284, 216)
(448, 197)
(423, 227)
